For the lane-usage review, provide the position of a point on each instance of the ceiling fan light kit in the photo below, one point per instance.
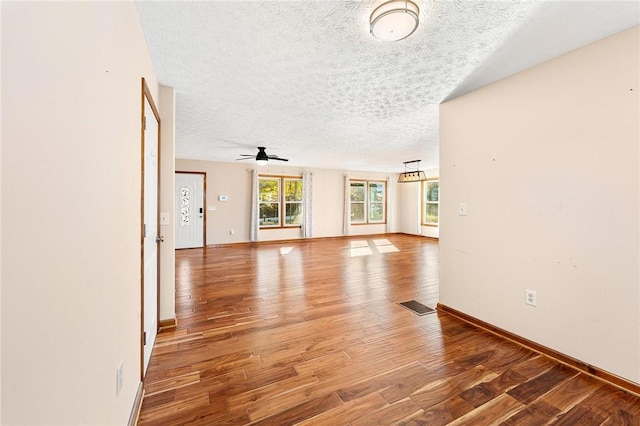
(261, 158)
(394, 20)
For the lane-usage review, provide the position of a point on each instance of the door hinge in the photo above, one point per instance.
(144, 337)
(144, 231)
(144, 122)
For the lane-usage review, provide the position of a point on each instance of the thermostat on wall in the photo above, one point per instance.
(222, 197)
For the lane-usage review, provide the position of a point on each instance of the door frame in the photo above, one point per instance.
(146, 95)
(204, 203)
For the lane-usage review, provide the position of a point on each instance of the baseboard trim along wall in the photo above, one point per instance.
(576, 364)
(167, 324)
(298, 240)
(137, 405)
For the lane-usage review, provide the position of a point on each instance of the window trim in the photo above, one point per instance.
(367, 202)
(282, 203)
(423, 204)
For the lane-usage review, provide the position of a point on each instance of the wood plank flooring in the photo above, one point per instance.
(310, 333)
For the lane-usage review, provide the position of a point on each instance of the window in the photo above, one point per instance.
(292, 201)
(430, 202)
(367, 202)
(376, 201)
(280, 201)
(358, 202)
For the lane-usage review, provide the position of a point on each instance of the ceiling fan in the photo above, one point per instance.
(261, 157)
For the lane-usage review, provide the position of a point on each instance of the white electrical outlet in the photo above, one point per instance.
(119, 378)
(530, 297)
(462, 209)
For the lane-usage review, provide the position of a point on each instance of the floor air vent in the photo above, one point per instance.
(417, 307)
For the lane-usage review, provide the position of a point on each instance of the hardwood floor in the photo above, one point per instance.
(310, 333)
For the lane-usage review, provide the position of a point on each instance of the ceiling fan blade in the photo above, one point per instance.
(262, 156)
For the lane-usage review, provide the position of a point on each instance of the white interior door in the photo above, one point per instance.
(189, 210)
(150, 234)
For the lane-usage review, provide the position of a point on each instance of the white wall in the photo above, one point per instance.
(548, 163)
(71, 107)
(234, 180)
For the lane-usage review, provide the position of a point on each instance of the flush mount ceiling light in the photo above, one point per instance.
(394, 20)
(415, 175)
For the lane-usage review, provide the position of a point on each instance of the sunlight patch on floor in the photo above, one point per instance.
(285, 250)
(360, 251)
(363, 248)
(387, 249)
(382, 242)
(359, 243)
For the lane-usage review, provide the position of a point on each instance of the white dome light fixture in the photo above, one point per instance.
(394, 20)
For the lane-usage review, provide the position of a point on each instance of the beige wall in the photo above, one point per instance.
(234, 181)
(548, 164)
(409, 214)
(71, 106)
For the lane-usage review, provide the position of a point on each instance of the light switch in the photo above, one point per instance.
(462, 209)
(164, 218)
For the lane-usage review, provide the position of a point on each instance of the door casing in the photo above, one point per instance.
(146, 96)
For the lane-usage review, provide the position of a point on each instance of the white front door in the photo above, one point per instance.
(150, 234)
(190, 210)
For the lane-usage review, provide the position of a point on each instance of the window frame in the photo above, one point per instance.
(282, 201)
(367, 202)
(425, 202)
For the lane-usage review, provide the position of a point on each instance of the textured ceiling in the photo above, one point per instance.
(306, 79)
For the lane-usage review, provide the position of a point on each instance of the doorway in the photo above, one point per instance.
(190, 209)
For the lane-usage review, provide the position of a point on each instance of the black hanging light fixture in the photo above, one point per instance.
(412, 173)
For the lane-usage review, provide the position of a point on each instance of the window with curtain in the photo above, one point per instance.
(367, 202)
(430, 202)
(280, 201)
